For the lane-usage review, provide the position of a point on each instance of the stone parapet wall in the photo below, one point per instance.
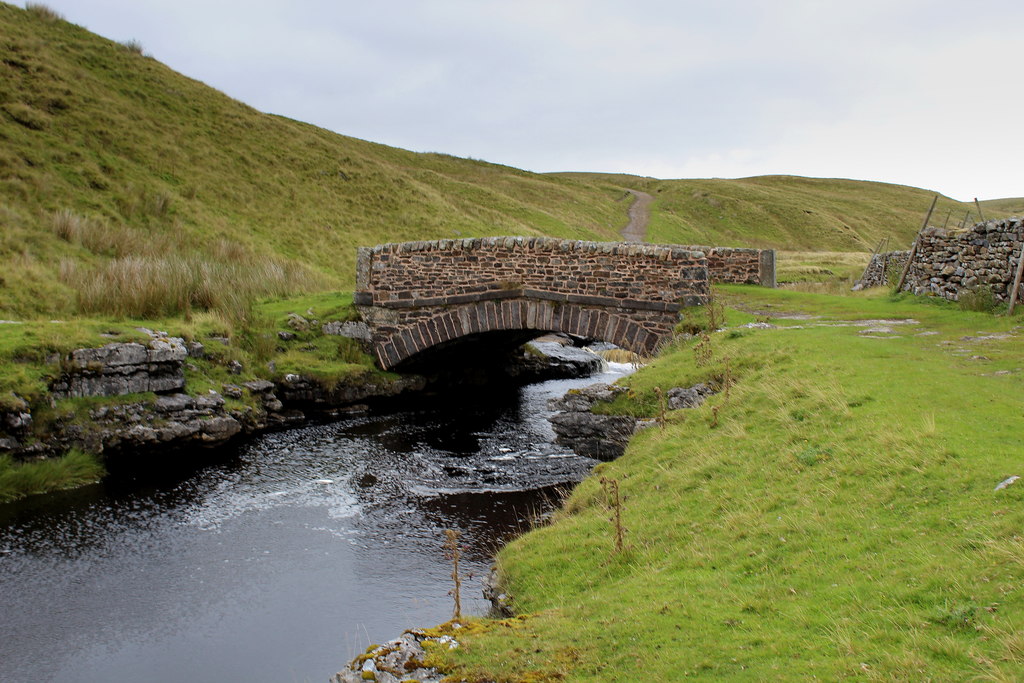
(740, 266)
(412, 271)
(984, 256)
(883, 269)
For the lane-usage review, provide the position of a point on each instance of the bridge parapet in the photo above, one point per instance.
(740, 266)
(411, 271)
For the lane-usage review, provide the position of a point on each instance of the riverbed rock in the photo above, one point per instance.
(175, 403)
(543, 360)
(195, 349)
(219, 429)
(501, 602)
(17, 421)
(231, 390)
(603, 437)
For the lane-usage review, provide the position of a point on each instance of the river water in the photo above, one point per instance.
(286, 557)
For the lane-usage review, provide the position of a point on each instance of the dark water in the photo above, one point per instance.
(282, 561)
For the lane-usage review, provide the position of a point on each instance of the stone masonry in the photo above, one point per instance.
(740, 266)
(984, 256)
(416, 295)
(882, 268)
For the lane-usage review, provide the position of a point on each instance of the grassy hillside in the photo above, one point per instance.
(130, 162)
(1012, 206)
(129, 189)
(833, 515)
(793, 213)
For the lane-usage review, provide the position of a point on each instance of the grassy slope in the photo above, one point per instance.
(89, 125)
(792, 213)
(838, 521)
(1011, 206)
(164, 164)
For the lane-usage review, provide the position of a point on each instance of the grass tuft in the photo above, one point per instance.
(133, 46)
(978, 299)
(41, 11)
(20, 479)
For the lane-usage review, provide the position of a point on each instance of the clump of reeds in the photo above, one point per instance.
(619, 356)
(155, 274)
(614, 501)
(151, 287)
(23, 479)
(453, 552)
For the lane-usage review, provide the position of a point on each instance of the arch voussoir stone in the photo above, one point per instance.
(615, 326)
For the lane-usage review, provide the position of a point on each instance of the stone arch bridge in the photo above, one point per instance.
(420, 296)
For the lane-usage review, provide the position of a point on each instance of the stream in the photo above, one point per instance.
(283, 558)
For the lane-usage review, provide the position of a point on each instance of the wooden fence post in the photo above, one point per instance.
(913, 249)
(1016, 280)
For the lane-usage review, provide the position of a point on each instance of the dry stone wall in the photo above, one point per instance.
(883, 268)
(985, 256)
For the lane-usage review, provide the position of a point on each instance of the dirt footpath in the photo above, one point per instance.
(639, 216)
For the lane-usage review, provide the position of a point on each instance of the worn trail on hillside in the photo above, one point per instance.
(639, 217)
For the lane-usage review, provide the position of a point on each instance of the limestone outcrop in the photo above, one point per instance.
(123, 368)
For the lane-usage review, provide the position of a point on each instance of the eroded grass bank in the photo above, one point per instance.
(834, 516)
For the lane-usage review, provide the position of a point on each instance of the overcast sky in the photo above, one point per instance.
(921, 93)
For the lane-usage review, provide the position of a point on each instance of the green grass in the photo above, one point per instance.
(835, 517)
(18, 480)
(819, 266)
(329, 360)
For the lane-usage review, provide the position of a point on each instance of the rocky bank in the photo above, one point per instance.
(605, 437)
(136, 398)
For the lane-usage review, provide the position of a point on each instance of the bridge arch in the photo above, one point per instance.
(520, 313)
